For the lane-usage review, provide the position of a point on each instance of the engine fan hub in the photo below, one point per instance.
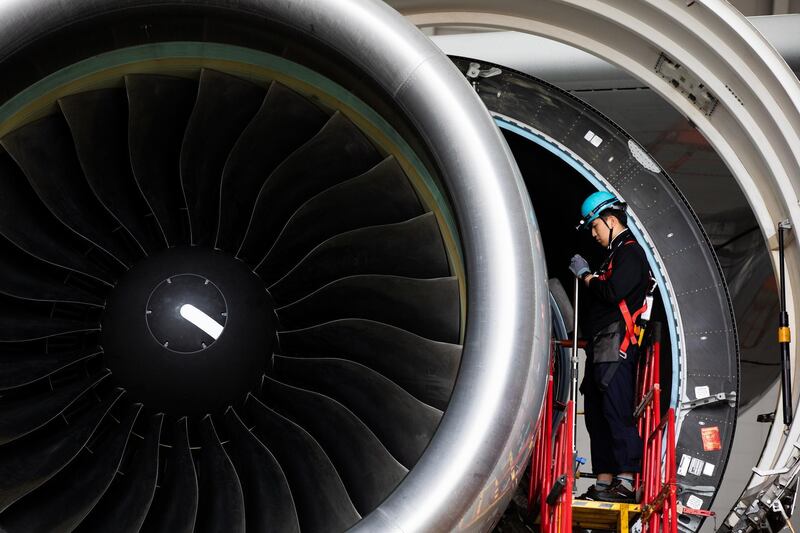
(186, 313)
(188, 331)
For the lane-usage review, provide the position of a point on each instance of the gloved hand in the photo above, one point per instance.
(579, 266)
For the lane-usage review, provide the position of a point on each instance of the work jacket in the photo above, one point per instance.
(624, 276)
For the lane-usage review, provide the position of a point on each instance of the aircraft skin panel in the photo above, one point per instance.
(698, 314)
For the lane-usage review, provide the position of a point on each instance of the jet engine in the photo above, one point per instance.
(273, 266)
(265, 266)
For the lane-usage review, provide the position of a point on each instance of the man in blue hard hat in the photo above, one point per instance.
(619, 290)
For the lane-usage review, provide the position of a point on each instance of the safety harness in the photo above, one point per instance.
(636, 322)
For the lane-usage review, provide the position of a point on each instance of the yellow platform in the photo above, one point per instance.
(604, 516)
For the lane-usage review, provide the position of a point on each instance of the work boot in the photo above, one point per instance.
(617, 492)
(593, 494)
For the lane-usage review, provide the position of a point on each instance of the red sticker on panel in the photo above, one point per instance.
(711, 439)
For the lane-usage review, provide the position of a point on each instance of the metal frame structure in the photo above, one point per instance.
(707, 61)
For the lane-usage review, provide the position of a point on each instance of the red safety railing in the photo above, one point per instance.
(541, 459)
(552, 468)
(648, 411)
(553, 461)
(657, 481)
(564, 470)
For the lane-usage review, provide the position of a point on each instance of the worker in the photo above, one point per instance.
(618, 289)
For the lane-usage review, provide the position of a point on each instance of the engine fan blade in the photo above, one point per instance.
(61, 504)
(30, 226)
(367, 468)
(319, 494)
(23, 320)
(426, 307)
(285, 122)
(402, 423)
(221, 500)
(268, 500)
(124, 506)
(411, 249)
(19, 369)
(174, 507)
(25, 411)
(381, 196)
(337, 153)
(30, 462)
(45, 151)
(98, 122)
(159, 108)
(427, 369)
(224, 107)
(23, 276)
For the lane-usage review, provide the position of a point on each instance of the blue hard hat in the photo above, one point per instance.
(595, 204)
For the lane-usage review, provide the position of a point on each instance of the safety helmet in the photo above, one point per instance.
(595, 204)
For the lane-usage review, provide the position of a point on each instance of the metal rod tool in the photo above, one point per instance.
(573, 393)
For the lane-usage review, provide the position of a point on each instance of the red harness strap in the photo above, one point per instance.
(631, 336)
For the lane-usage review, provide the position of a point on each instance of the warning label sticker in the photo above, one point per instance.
(711, 439)
(696, 466)
(683, 467)
(702, 392)
(693, 502)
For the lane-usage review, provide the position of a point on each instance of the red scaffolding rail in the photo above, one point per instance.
(552, 467)
(540, 460)
(657, 482)
(553, 463)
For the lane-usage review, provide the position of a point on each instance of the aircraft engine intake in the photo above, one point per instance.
(264, 266)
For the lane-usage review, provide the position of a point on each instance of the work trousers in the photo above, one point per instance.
(615, 443)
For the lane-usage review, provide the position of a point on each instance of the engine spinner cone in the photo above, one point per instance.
(189, 331)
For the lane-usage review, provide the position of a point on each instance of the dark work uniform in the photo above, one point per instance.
(610, 380)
